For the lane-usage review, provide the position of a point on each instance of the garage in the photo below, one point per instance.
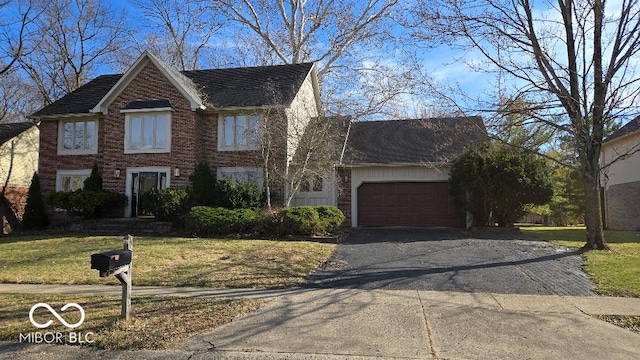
(419, 204)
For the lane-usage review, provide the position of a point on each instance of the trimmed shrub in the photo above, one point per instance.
(167, 204)
(34, 216)
(301, 220)
(204, 220)
(330, 217)
(88, 204)
(268, 221)
(236, 196)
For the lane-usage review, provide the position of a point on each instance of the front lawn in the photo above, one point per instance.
(615, 272)
(65, 259)
(156, 322)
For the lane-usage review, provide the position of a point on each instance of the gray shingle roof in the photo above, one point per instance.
(11, 130)
(82, 99)
(628, 128)
(222, 88)
(418, 141)
(251, 86)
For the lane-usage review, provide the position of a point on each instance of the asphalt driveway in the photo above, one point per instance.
(452, 260)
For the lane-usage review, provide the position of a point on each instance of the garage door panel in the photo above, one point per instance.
(406, 204)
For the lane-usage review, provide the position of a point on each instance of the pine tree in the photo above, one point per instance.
(94, 181)
(203, 183)
(34, 215)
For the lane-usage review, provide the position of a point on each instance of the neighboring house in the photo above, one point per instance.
(149, 127)
(396, 173)
(620, 161)
(18, 163)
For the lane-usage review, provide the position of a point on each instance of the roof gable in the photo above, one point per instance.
(186, 87)
(11, 130)
(417, 141)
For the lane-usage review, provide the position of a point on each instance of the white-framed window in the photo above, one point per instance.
(77, 137)
(147, 131)
(238, 132)
(71, 180)
(312, 183)
(241, 174)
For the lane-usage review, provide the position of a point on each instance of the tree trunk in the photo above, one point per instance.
(8, 213)
(593, 214)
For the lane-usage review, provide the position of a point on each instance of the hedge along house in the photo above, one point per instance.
(396, 172)
(149, 127)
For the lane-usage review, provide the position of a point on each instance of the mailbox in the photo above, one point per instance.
(110, 260)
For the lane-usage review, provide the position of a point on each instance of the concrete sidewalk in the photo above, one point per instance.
(196, 292)
(359, 324)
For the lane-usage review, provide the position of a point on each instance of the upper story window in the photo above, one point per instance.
(238, 132)
(147, 131)
(77, 137)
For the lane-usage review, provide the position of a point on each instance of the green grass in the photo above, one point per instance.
(65, 259)
(615, 272)
(155, 323)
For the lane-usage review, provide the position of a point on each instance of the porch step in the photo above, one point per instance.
(122, 226)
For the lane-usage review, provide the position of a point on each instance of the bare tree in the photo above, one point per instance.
(573, 58)
(297, 146)
(72, 40)
(14, 25)
(314, 149)
(352, 42)
(181, 30)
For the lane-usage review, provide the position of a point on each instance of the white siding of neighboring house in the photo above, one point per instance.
(360, 175)
(623, 171)
(25, 158)
(621, 182)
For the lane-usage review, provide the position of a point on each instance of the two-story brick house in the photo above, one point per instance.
(149, 127)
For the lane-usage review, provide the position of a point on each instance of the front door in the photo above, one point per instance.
(142, 182)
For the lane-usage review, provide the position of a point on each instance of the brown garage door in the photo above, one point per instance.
(406, 204)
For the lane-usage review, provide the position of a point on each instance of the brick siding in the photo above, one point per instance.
(17, 196)
(344, 193)
(194, 139)
(623, 208)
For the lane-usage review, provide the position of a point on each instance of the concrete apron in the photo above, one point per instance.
(422, 325)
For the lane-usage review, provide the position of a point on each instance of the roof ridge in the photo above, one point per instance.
(249, 67)
(422, 119)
